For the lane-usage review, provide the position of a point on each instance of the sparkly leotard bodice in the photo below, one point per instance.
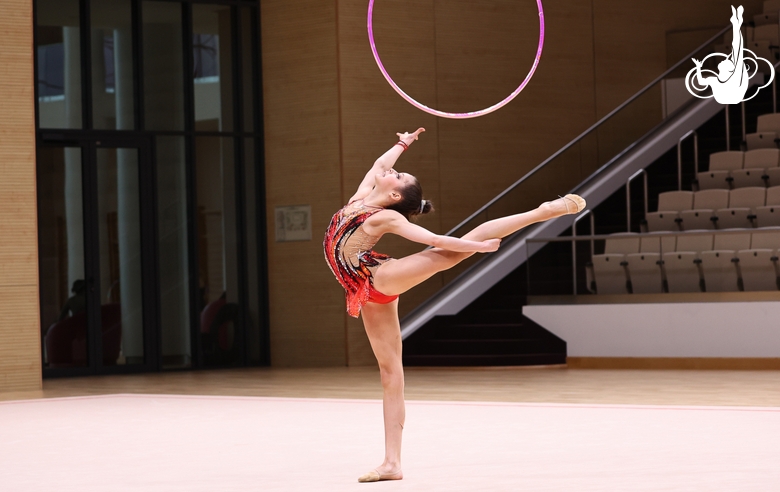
(348, 251)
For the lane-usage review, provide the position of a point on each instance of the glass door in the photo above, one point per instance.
(61, 251)
(96, 256)
(118, 258)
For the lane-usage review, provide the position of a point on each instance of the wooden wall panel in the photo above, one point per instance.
(330, 113)
(302, 167)
(20, 353)
(20, 342)
(485, 155)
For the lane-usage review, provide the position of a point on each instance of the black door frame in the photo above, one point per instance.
(149, 268)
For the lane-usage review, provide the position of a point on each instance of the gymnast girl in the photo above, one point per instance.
(383, 204)
(731, 84)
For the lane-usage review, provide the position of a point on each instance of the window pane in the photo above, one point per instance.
(248, 20)
(217, 246)
(112, 65)
(119, 232)
(254, 315)
(163, 67)
(174, 253)
(59, 63)
(61, 257)
(212, 67)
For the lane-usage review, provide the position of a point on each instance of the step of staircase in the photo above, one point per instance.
(491, 336)
(484, 360)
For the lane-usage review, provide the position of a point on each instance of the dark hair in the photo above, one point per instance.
(411, 200)
(78, 286)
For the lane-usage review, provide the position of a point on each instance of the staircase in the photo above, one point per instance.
(492, 331)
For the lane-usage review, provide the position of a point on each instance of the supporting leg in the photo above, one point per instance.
(384, 334)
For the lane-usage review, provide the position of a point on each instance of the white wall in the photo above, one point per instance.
(706, 329)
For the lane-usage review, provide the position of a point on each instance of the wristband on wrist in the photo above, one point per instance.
(403, 144)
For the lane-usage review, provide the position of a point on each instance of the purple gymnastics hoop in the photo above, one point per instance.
(444, 114)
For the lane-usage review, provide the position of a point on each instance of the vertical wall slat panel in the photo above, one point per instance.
(20, 358)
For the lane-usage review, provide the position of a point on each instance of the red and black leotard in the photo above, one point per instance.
(350, 257)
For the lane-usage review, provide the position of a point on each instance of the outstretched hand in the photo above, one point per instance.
(408, 138)
(697, 62)
(490, 245)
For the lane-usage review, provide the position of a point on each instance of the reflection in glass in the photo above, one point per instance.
(217, 246)
(212, 67)
(112, 65)
(59, 63)
(61, 258)
(174, 257)
(119, 227)
(163, 66)
(247, 62)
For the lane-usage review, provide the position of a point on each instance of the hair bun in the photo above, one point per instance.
(427, 207)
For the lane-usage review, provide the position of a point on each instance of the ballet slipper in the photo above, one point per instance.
(576, 200)
(375, 476)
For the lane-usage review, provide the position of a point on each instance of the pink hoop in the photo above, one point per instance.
(444, 114)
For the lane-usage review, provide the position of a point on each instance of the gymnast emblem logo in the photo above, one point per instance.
(731, 82)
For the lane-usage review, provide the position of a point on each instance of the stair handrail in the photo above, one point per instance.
(695, 156)
(643, 173)
(574, 241)
(701, 232)
(589, 130)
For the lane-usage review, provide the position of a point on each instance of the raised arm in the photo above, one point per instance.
(701, 80)
(390, 221)
(386, 161)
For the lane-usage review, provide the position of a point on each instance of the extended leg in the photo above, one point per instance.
(504, 226)
(736, 35)
(398, 276)
(384, 333)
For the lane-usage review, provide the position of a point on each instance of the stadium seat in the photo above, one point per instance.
(743, 203)
(768, 124)
(670, 204)
(758, 269)
(644, 268)
(772, 176)
(682, 270)
(656, 243)
(767, 32)
(719, 173)
(763, 48)
(755, 166)
(758, 265)
(769, 215)
(718, 266)
(765, 18)
(767, 238)
(704, 205)
(771, 6)
(609, 269)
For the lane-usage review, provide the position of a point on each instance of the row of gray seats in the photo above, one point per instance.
(767, 133)
(689, 262)
(736, 169)
(716, 209)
